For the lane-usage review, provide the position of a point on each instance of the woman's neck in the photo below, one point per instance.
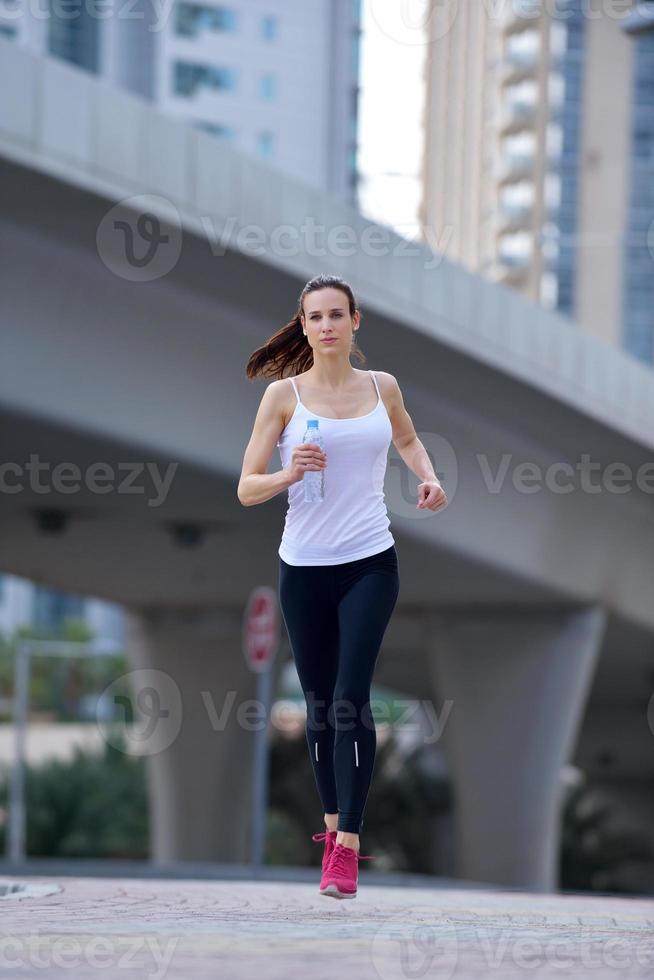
(334, 376)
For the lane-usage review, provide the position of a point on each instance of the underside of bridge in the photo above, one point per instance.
(124, 413)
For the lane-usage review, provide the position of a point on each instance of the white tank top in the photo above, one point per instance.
(351, 522)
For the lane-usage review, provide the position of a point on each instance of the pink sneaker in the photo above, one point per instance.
(329, 837)
(340, 877)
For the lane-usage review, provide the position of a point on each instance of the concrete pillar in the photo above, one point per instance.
(199, 743)
(518, 680)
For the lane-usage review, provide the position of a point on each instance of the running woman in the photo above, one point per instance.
(338, 567)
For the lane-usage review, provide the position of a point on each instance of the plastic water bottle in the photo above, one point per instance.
(314, 480)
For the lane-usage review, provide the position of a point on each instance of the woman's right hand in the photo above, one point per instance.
(306, 456)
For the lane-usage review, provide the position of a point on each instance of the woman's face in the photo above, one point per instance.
(327, 315)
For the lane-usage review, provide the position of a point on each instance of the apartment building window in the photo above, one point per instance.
(522, 50)
(521, 97)
(265, 144)
(352, 153)
(268, 87)
(516, 249)
(566, 164)
(517, 200)
(638, 300)
(189, 77)
(194, 18)
(355, 52)
(51, 609)
(269, 27)
(354, 128)
(352, 167)
(73, 34)
(644, 144)
(219, 130)
(518, 150)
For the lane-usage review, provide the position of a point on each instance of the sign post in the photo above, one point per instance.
(260, 644)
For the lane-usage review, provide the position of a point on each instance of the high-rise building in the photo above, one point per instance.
(638, 260)
(538, 157)
(26, 604)
(280, 81)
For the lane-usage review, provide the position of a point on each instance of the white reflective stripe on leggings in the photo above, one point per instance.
(356, 752)
(316, 744)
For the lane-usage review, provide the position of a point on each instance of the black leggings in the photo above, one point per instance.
(336, 616)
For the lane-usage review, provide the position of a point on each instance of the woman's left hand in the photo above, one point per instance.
(431, 495)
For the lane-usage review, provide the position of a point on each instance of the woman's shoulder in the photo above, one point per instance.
(281, 391)
(389, 391)
(387, 382)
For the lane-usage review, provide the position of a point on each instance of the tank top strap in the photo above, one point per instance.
(376, 385)
(297, 394)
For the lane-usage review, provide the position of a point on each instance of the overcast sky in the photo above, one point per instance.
(390, 136)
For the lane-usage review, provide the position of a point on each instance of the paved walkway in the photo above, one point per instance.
(268, 930)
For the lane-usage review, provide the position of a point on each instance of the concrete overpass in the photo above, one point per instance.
(526, 607)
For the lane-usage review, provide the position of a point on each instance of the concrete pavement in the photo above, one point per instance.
(158, 928)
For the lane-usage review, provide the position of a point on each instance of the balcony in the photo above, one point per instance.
(520, 65)
(521, 15)
(515, 253)
(516, 166)
(517, 116)
(511, 274)
(514, 218)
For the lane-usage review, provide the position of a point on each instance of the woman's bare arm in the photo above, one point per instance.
(256, 485)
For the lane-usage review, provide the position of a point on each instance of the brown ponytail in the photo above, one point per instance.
(287, 350)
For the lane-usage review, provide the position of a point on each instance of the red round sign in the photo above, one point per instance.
(261, 628)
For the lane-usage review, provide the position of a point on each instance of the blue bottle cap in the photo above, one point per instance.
(312, 423)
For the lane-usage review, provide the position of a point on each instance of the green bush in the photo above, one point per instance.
(596, 854)
(92, 806)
